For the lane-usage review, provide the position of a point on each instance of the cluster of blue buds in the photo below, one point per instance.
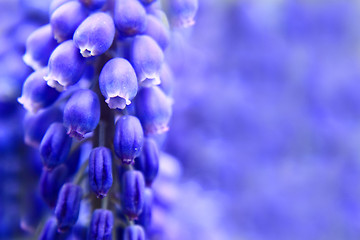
(99, 103)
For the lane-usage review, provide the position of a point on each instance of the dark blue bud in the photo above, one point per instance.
(82, 113)
(55, 146)
(68, 206)
(34, 210)
(95, 34)
(66, 66)
(55, 4)
(146, 215)
(128, 138)
(50, 184)
(148, 162)
(153, 109)
(93, 4)
(39, 46)
(129, 17)
(66, 18)
(101, 225)
(50, 231)
(35, 125)
(73, 160)
(100, 171)
(184, 12)
(132, 193)
(157, 30)
(134, 232)
(118, 83)
(167, 80)
(146, 57)
(36, 94)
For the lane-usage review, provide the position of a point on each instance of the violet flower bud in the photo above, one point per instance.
(36, 94)
(82, 113)
(128, 138)
(93, 4)
(134, 232)
(50, 231)
(101, 225)
(66, 18)
(129, 17)
(55, 4)
(132, 193)
(148, 162)
(156, 29)
(153, 109)
(118, 83)
(35, 125)
(39, 46)
(95, 34)
(68, 206)
(146, 57)
(167, 80)
(55, 146)
(100, 171)
(184, 12)
(66, 66)
(145, 217)
(50, 184)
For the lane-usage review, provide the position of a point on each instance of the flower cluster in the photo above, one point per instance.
(99, 104)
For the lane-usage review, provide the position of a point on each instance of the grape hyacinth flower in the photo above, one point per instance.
(145, 217)
(39, 47)
(66, 18)
(118, 83)
(95, 34)
(129, 17)
(128, 139)
(147, 59)
(184, 12)
(66, 66)
(82, 113)
(100, 171)
(132, 193)
(55, 4)
(55, 146)
(50, 231)
(36, 94)
(68, 206)
(158, 31)
(101, 225)
(148, 162)
(134, 232)
(153, 108)
(93, 4)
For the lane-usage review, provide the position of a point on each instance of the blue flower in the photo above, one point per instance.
(82, 113)
(128, 138)
(100, 171)
(50, 231)
(148, 162)
(93, 4)
(101, 225)
(184, 12)
(118, 83)
(157, 30)
(144, 218)
(134, 232)
(95, 34)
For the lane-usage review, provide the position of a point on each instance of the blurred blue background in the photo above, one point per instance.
(266, 117)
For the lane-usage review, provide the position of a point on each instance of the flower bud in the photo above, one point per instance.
(101, 225)
(132, 193)
(68, 206)
(51, 182)
(134, 232)
(118, 83)
(50, 231)
(129, 17)
(39, 46)
(66, 18)
(36, 94)
(146, 57)
(82, 113)
(145, 217)
(148, 162)
(157, 31)
(93, 4)
(95, 34)
(128, 138)
(55, 146)
(66, 66)
(167, 80)
(35, 125)
(153, 109)
(100, 171)
(55, 4)
(184, 12)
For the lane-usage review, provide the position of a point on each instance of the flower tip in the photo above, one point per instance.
(149, 81)
(128, 161)
(75, 134)
(117, 102)
(29, 60)
(52, 82)
(85, 52)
